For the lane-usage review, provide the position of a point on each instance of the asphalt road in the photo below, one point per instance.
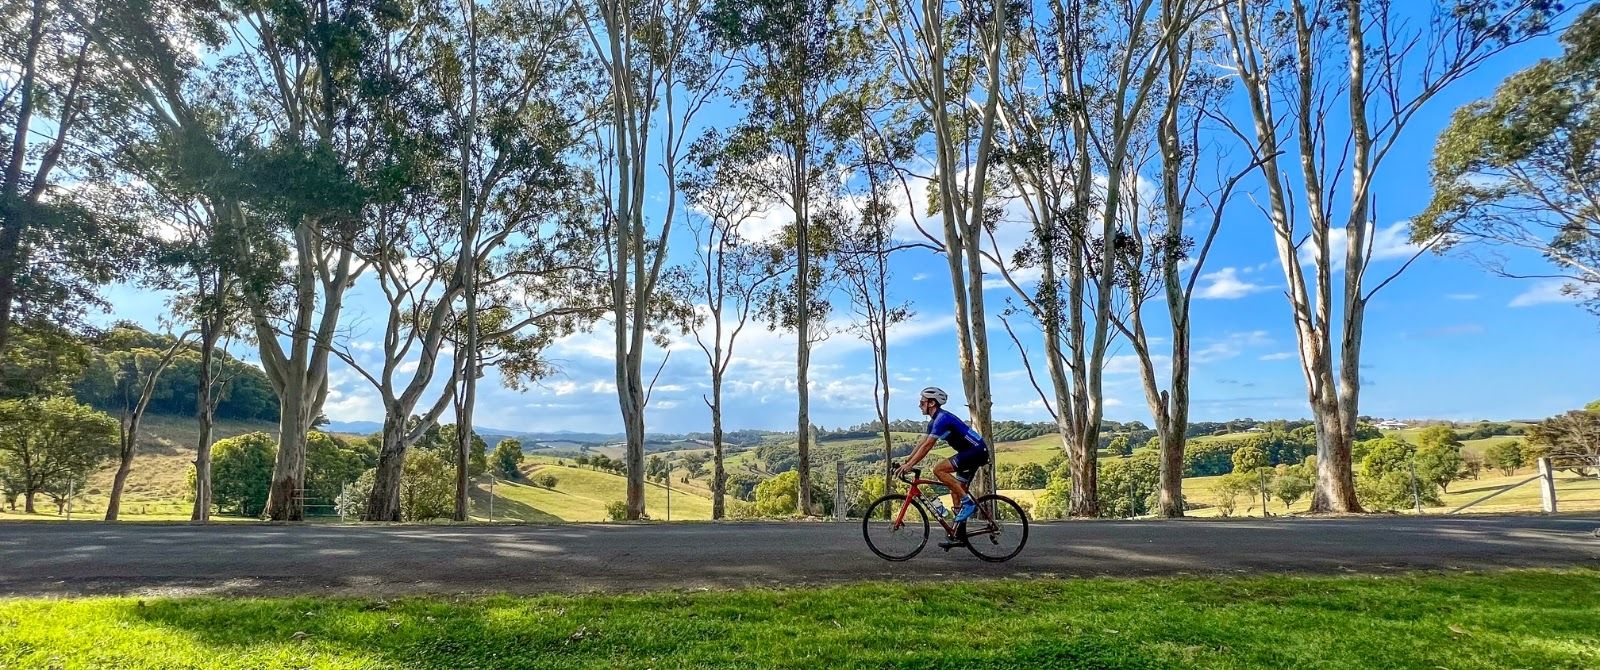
(73, 559)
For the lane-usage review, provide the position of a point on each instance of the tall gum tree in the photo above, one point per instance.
(1299, 62)
(660, 70)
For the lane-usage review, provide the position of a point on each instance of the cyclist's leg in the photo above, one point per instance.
(966, 465)
(945, 471)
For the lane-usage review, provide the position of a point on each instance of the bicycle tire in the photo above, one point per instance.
(916, 518)
(1011, 521)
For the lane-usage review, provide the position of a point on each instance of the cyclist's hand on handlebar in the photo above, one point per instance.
(903, 469)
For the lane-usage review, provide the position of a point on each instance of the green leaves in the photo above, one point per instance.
(1516, 168)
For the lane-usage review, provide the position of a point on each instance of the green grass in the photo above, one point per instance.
(1520, 619)
(581, 494)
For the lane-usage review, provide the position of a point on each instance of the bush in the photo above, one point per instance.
(241, 473)
(1386, 481)
(617, 510)
(427, 487)
(1233, 487)
(1291, 483)
(548, 481)
(779, 496)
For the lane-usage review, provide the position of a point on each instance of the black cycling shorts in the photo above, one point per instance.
(966, 463)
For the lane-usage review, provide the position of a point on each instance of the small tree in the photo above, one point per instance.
(1031, 476)
(695, 464)
(241, 471)
(1249, 459)
(332, 463)
(508, 458)
(1471, 466)
(50, 441)
(1439, 435)
(1438, 464)
(1230, 488)
(1505, 456)
(1120, 445)
(1290, 483)
(1388, 479)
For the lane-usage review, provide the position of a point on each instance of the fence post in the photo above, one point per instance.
(1416, 495)
(838, 492)
(1547, 485)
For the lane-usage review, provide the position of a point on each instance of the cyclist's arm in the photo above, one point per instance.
(923, 447)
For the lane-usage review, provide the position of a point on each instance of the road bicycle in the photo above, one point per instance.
(896, 525)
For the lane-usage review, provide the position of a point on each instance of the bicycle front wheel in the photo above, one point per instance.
(999, 529)
(890, 536)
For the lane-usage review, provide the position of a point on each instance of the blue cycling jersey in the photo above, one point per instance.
(955, 433)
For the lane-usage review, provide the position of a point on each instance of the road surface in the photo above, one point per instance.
(178, 559)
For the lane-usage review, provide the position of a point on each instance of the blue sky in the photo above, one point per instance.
(1447, 340)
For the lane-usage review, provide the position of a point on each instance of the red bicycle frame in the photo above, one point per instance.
(915, 492)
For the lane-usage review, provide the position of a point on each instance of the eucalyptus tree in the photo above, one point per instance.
(134, 371)
(486, 135)
(63, 232)
(731, 277)
(866, 247)
(528, 247)
(295, 165)
(1373, 65)
(1160, 262)
(794, 58)
(944, 55)
(660, 71)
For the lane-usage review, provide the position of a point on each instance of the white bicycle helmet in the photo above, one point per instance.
(936, 394)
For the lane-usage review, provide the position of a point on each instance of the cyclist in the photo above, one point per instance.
(971, 451)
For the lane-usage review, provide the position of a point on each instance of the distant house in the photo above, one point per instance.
(1391, 425)
(1257, 429)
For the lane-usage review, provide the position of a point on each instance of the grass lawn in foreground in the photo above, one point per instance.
(1518, 619)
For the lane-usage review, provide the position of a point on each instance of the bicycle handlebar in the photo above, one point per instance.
(916, 473)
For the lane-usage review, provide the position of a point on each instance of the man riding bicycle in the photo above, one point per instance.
(971, 451)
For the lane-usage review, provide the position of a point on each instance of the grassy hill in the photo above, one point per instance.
(158, 484)
(1573, 494)
(580, 494)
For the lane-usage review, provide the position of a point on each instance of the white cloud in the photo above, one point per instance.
(1462, 296)
(406, 367)
(1232, 346)
(1225, 284)
(1128, 364)
(1388, 243)
(1543, 292)
(1279, 356)
(350, 398)
(919, 276)
(1024, 277)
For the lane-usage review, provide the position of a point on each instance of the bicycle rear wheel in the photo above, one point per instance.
(999, 529)
(891, 538)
